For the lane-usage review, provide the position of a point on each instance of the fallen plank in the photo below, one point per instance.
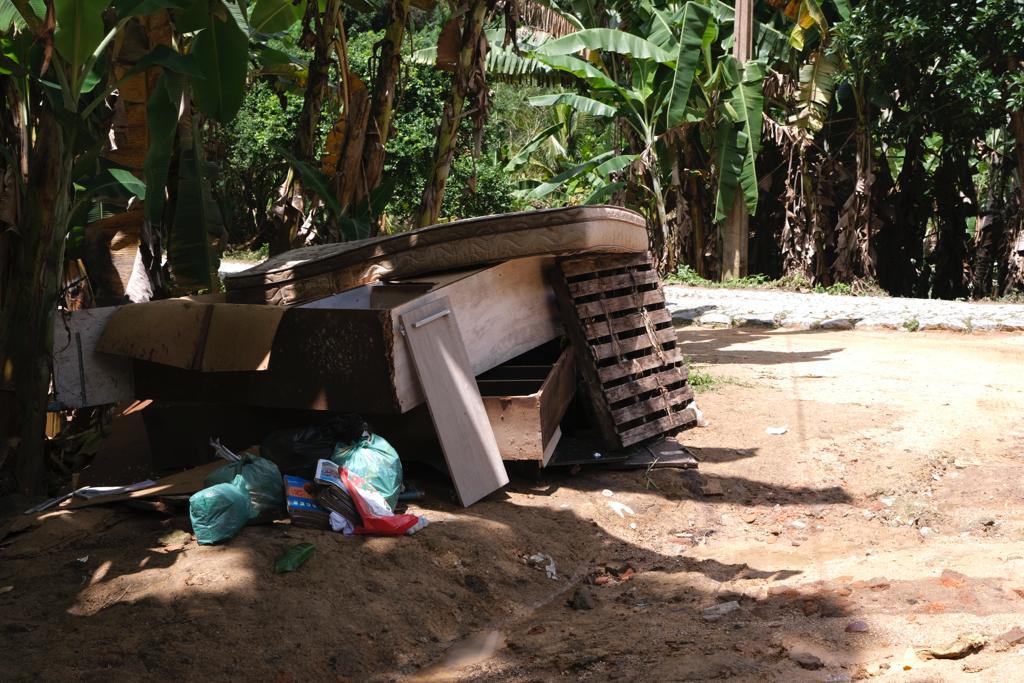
(178, 484)
(442, 366)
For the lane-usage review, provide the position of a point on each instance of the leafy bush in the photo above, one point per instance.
(250, 167)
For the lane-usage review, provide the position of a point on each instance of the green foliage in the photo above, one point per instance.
(222, 51)
(261, 253)
(251, 164)
(738, 138)
(410, 150)
(686, 275)
(701, 380)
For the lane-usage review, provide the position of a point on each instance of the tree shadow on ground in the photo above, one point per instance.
(370, 609)
(677, 485)
(387, 608)
(713, 346)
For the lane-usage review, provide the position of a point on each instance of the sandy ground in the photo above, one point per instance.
(887, 519)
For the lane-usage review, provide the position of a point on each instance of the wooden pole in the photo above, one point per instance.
(737, 225)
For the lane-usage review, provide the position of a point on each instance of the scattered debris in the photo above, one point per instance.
(175, 538)
(961, 647)
(777, 431)
(798, 524)
(716, 612)
(581, 599)
(807, 661)
(1014, 636)
(701, 420)
(607, 493)
(296, 556)
(545, 562)
(711, 487)
(620, 508)
(220, 511)
(6, 589)
(857, 626)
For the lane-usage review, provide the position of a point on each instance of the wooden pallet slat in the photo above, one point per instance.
(671, 422)
(664, 378)
(616, 348)
(620, 303)
(614, 312)
(632, 366)
(654, 404)
(597, 328)
(588, 265)
(610, 283)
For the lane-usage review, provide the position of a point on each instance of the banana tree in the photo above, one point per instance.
(647, 85)
(56, 83)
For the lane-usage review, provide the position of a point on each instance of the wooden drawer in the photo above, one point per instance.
(526, 399)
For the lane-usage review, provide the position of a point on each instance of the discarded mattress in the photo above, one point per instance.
(312, 272)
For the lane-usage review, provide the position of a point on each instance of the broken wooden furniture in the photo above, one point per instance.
(613, 310)
(343, 353)
(526, 399)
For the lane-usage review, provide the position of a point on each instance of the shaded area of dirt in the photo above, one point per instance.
(893, 500)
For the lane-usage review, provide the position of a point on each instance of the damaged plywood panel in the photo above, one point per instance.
(346, 352)
(505, 311)
(211, 337)
(81, 376)
(453, 399)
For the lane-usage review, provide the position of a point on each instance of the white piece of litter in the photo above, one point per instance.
(620, 508)
(777, 431)
(607, 493)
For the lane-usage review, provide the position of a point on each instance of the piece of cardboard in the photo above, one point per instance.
(194, 335)
(82, 377)
(179, 484)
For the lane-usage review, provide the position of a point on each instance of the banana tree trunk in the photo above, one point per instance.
(989, 230)
(472, 52)
(288, 209)
(384, 86)
(668, 251)
(27, 330)
(950, 249)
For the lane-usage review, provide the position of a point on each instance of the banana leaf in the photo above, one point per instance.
(693, 24)
(606, 40)
(738, 136)
(583, 105)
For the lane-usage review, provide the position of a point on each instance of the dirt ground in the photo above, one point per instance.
(886, 520)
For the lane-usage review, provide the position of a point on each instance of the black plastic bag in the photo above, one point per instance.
(296, 451)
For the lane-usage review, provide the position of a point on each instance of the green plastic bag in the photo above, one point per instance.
(373, 459)
(266, 488)
(220, 511)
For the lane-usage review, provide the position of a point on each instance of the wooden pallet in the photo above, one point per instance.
(614, 312)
